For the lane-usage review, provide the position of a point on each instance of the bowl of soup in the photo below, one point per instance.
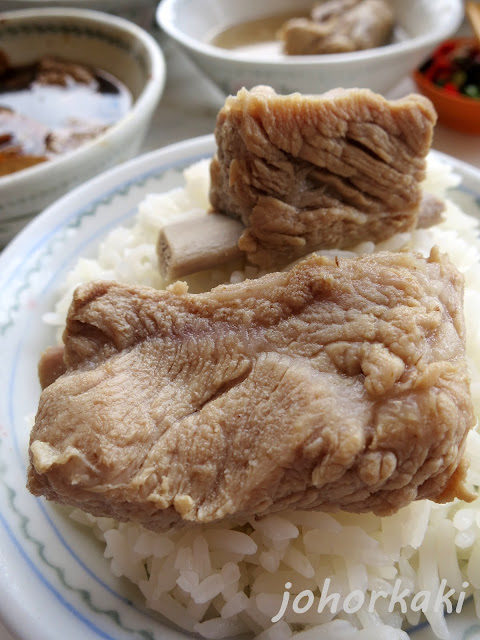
(242, 43)
(78, 89)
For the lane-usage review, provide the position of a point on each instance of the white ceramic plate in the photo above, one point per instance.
(54, 581)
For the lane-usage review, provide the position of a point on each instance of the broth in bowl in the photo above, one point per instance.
(51, 107)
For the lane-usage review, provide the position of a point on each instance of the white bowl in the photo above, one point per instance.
(98, 39)
(142, 12)
(424, 23)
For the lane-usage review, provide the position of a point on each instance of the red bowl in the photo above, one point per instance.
(454, 110)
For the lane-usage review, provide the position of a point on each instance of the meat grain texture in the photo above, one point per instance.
(340, 26)
(309, 172)
(341, 384)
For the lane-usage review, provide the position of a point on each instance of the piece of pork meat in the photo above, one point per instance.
(430, 212)
(339, 26)
(309, 172)
(51, 365)
(341, 384)
(206, 241)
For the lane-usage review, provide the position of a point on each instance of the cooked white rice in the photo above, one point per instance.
(224, 579)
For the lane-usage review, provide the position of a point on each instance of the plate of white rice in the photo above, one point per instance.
(301, 575)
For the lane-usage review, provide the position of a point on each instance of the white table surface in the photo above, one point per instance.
(190, 103)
